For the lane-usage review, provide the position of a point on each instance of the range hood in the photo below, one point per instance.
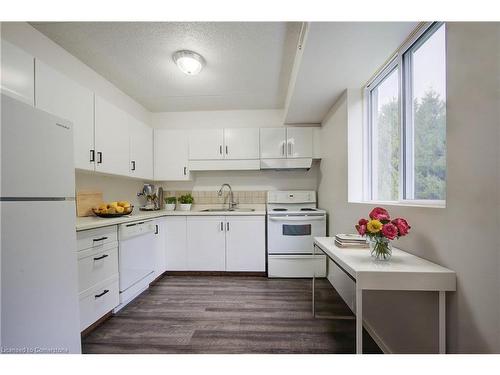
(280, 164)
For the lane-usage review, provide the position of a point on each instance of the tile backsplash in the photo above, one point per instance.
(211, 197)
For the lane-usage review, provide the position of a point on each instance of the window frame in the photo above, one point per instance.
(402, 61)
(388, 69)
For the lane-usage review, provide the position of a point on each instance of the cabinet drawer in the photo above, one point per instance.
(96, 265)
(96, 238)
(97, 301)
(302, 266)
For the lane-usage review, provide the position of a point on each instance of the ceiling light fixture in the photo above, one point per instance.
(189, 62)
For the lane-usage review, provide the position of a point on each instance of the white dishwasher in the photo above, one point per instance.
(136, 258)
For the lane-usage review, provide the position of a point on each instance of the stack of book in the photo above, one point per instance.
(351, 240)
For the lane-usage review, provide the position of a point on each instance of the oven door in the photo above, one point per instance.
(294, 234)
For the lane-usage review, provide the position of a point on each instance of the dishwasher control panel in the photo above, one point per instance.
(136, 229)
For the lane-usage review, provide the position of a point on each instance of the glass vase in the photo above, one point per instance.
(380, 248)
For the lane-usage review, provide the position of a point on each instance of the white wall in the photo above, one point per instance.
(37, 44)
(464, 235)
(218, 119)
(114, 188)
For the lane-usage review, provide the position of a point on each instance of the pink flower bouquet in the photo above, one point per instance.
(380, 230)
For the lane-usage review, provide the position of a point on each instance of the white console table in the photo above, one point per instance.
(403, 271)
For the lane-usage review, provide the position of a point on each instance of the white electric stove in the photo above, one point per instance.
(293, 220)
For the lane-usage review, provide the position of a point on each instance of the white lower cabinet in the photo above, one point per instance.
(159, 243)
(176, 243)
(206, 243)
(96, 265)
(215, 243)
(245, 243)
(97, 273)
(97, 301)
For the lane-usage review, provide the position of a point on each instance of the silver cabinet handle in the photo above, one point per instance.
(226, 150)
(227, 226)
(221, 226)
(185, 171)
(283, 149)
(289, 148)
(220, 149)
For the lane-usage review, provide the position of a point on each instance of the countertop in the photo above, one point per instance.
(92, 222)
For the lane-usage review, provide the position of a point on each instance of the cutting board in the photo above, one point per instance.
(86, 200)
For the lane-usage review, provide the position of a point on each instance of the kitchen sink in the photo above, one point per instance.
(228, 210)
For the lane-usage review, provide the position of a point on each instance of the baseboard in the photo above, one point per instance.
(96, 324)
(213, 273)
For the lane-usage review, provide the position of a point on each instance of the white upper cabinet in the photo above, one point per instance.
(241, 143)
(299, 142)
(290, 142)
(59, 95)
(273, 143)
(17, 73)
(229, 144)
(141, 149)
(206, 144)
(111, 138)
(171, 155)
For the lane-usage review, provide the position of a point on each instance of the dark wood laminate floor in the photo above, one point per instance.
(222, 314)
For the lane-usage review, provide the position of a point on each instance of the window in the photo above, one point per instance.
(385, 138)
(406, 127)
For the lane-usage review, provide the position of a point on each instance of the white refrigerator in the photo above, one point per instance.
(39, 282)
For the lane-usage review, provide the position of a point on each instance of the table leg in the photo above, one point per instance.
(359, 321)
(313, 280)
(442, 322)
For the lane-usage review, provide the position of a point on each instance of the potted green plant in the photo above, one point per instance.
(170, 203)
(185, 202)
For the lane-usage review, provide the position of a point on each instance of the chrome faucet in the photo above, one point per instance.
(232, 203)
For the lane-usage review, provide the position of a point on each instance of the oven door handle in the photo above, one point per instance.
(296, 218)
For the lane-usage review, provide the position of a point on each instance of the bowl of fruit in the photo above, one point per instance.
(113, 209)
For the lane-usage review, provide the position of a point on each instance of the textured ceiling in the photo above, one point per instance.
(248, 64)
(340, 55)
